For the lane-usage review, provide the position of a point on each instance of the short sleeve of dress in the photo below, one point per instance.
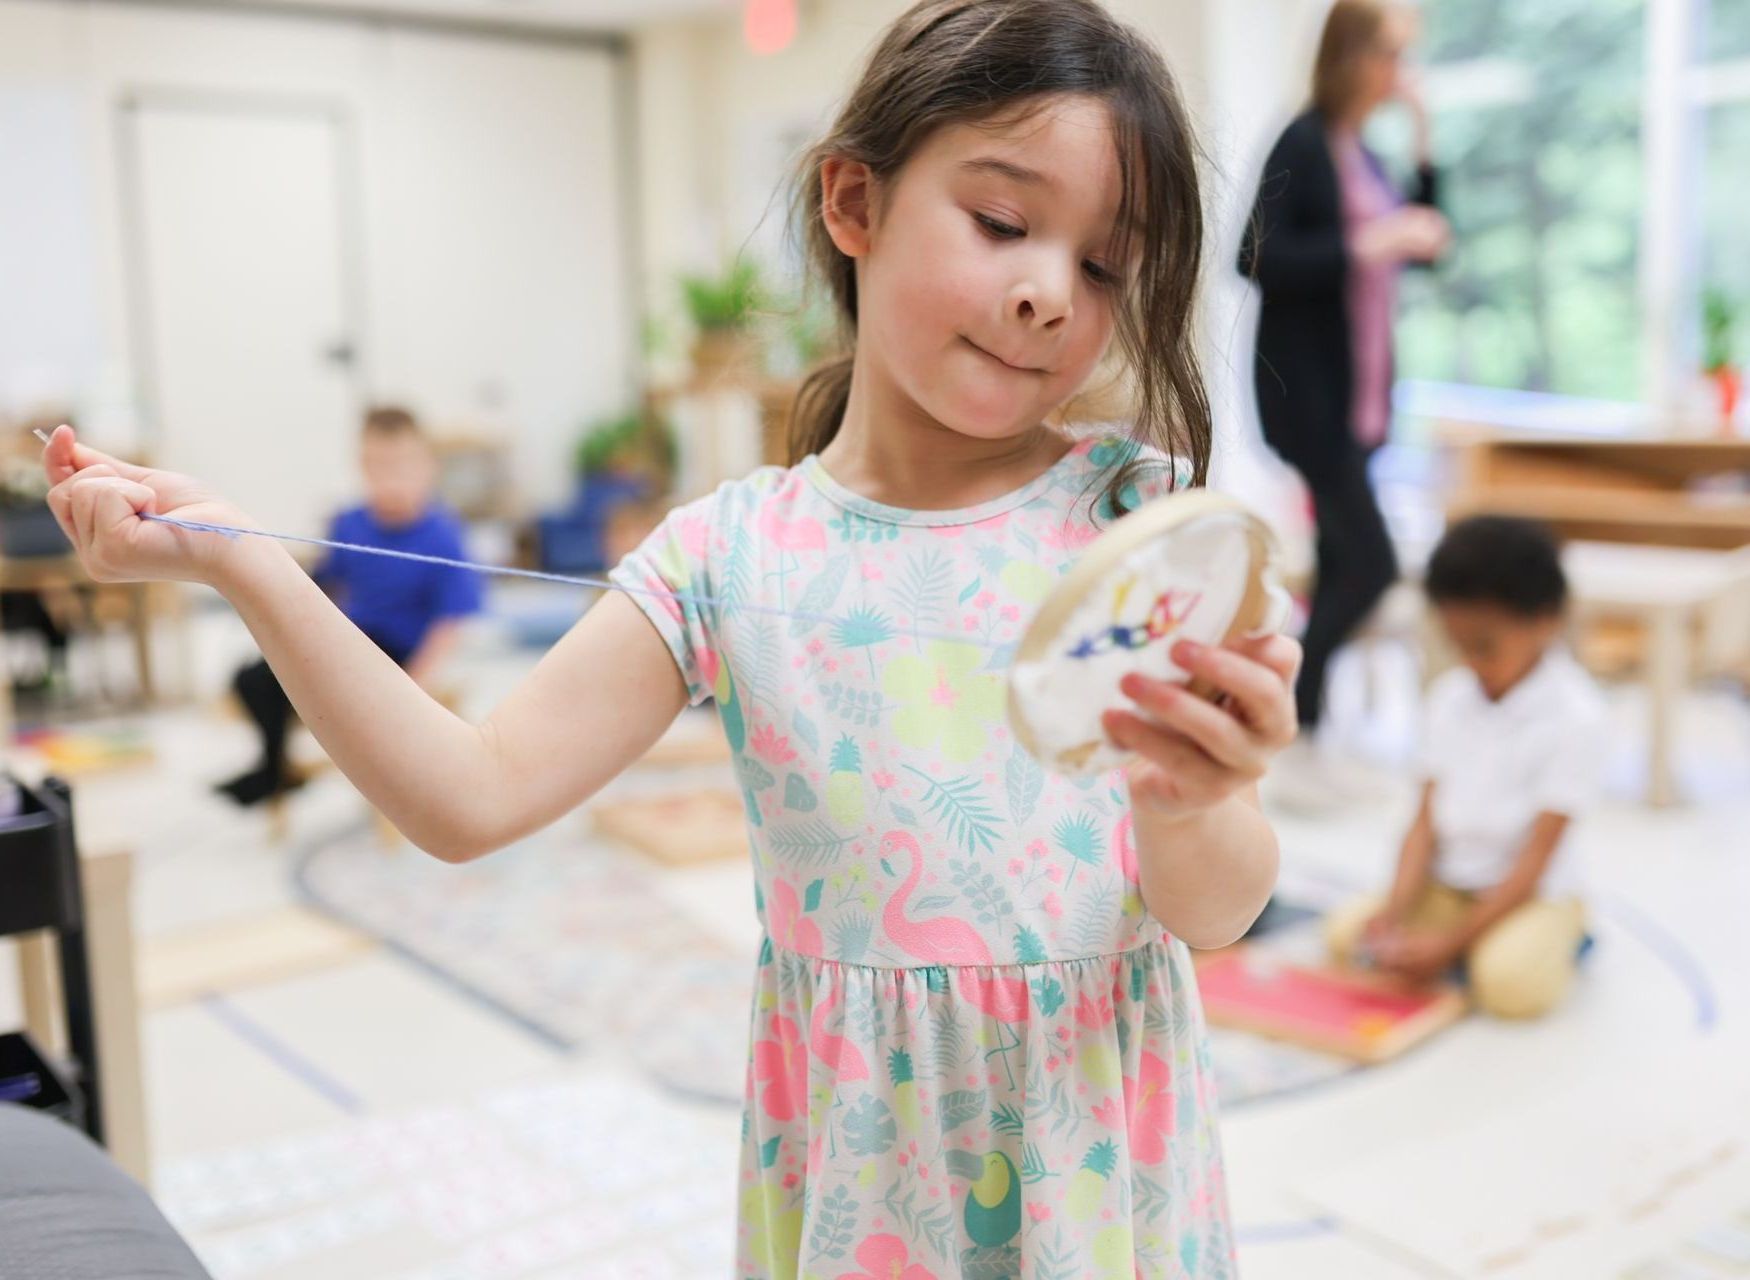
(668, 577)
(1148, 474)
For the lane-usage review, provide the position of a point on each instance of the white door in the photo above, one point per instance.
(243, 323)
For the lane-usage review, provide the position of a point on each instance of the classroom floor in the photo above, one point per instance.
(338, 1108)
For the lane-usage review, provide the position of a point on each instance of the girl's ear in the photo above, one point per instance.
(847, 199)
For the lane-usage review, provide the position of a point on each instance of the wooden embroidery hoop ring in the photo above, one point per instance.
(1260, 609)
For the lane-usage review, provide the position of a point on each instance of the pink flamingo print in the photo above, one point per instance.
(789, 537)
(1124, 838)
(948, 940)
(838, 1053)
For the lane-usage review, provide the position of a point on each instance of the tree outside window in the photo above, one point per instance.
(1536, 110)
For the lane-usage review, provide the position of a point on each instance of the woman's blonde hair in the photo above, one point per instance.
(1351, 30)
(971, 61)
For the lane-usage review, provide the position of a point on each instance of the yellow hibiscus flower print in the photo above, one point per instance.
(944, 699)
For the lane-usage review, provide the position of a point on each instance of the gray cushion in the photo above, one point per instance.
(67, 1212)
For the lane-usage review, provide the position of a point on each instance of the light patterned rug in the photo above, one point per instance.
(567, 934)
(564, 933)
(593, 1176)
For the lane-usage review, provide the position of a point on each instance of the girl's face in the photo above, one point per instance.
(986, 275)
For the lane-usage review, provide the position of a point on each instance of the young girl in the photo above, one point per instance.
(976, 1042)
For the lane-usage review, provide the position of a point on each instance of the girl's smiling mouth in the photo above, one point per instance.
(1005, 364)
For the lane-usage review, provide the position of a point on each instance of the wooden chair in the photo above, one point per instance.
(1691, 608)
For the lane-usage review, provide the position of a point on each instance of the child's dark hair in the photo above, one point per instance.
(965, 61)
(391, 422)
(1499, 560)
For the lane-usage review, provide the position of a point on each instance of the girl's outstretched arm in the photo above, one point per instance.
(458, 790)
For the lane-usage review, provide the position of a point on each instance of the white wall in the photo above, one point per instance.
(489, 200)
(1257, 67)
(719, 125)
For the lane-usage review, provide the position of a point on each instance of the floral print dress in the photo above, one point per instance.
(973, 1052)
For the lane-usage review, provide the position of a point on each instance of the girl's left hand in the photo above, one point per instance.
(1195, 753)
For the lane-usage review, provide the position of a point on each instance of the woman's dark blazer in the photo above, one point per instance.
(1293, 248)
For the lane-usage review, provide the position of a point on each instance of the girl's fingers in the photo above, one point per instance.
(1184, 761)
(58, 455)
(64, 457)
(101, 509)
(1218, 733)
(1260, 692)
(67, 506)
(1281, 654)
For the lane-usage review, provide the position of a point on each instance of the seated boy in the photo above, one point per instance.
(1516, 739)
(411, 610)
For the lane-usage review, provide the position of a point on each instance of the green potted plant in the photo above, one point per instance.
(724, 309)
(1719, 317)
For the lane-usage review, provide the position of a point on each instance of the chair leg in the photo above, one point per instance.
(279, 824)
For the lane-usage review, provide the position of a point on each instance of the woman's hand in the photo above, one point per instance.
(1195, 753)
(98, 501)
(1413, 233)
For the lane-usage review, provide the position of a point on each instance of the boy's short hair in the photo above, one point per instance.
(391, 421)
(1498, 560)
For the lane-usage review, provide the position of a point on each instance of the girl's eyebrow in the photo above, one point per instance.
(1009, 169)
(1019, 173)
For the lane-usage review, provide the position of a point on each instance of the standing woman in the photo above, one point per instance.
(1328, 235)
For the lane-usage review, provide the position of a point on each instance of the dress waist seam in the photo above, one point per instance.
(1162, 941)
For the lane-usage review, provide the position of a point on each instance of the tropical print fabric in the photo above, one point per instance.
(973, 1054)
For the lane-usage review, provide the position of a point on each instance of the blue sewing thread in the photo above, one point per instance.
(602, 584)
(229, 531)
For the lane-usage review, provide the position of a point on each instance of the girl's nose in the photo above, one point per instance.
(1041, 303)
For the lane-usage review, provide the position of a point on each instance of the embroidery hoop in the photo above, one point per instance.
(1076, 745)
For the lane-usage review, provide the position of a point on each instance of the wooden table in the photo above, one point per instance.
(136, 602)
(109, 937)
(1606, 489)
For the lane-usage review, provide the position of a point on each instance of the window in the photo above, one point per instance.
(1536, 119)
(1722, 83)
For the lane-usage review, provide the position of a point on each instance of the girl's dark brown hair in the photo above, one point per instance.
(1351, 29)
(980, 61)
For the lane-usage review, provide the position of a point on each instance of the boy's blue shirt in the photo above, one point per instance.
(397, 602)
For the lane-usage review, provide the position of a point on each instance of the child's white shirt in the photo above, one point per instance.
(1496, 765)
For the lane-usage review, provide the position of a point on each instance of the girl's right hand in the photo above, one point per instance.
(98, 500)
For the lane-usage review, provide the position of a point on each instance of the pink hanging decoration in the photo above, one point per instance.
(769, 25)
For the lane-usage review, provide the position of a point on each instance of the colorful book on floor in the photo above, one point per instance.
(73, 753)
(1356, 1015)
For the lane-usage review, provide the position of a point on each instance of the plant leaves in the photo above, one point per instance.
(960, 1106)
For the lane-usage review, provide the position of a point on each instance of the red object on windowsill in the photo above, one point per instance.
(769, 25)
(1728, 383)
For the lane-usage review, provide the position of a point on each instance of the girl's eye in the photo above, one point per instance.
(1003, 231)
(1102, 277)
